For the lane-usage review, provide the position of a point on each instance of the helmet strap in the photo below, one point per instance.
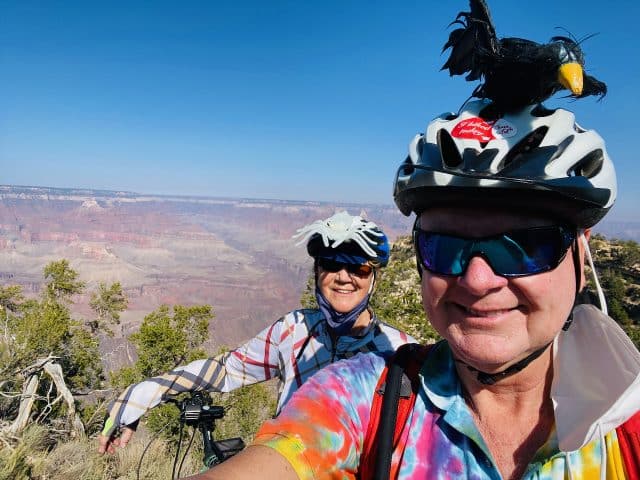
(601, 300)
(491, 378)
(578, 272)
(372, 285)
(577, 268)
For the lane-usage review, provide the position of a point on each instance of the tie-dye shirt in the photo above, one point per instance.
(321, 430)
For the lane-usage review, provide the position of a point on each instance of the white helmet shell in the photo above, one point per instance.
(534, 154)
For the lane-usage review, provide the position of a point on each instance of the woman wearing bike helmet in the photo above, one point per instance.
(526, 383)
(348, 252)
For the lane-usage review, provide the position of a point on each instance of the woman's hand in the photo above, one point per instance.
(109, 444)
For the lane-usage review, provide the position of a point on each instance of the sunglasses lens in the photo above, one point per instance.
(361, 270)
(527, 252)
(329, 265)
(516, 253)
(441, 254)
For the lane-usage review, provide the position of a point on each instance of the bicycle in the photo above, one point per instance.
(198, 411)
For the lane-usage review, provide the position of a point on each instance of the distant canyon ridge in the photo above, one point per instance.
(234, 254)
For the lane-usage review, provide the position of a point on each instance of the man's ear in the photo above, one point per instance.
(583, 279)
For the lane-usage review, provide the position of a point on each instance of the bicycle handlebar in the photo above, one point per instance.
(198, 411)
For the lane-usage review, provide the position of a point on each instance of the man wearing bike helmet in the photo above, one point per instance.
(526, 383)
(348, 252)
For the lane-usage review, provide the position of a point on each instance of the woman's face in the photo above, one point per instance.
(491, 321)
(343, 290)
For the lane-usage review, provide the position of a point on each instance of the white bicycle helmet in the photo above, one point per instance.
(535, 159)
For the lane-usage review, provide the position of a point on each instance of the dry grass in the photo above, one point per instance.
(19, 459)
(78, 460)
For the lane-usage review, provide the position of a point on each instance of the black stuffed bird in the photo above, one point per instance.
(515, 72)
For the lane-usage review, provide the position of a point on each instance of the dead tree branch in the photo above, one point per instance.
(32, 376)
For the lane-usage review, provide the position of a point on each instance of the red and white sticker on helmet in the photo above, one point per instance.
(476, 128)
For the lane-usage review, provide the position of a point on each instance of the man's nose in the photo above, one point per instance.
(479, 277)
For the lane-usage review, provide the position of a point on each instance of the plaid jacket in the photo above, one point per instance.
(291, 349)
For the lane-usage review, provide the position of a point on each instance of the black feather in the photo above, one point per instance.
(515, 72)
(593, 86)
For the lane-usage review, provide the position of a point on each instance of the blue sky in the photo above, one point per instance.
(280, 99)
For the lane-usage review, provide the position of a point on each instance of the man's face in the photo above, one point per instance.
(492, 321)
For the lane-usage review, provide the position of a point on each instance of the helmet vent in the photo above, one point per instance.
(578, 128)
(562, 146)
(451, 157)
(524, 146)
(589, 166)
(407, 168)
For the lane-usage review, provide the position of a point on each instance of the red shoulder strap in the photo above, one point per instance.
(629, 441)
(405, 406)
(370, 439)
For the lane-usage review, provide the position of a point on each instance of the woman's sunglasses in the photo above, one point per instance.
(360, 270)
(511, 254)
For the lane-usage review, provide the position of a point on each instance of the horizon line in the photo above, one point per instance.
(126, 194)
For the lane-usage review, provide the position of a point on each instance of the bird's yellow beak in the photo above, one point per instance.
(570, 77)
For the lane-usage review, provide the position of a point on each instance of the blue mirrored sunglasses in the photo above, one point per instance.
(515, 253)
